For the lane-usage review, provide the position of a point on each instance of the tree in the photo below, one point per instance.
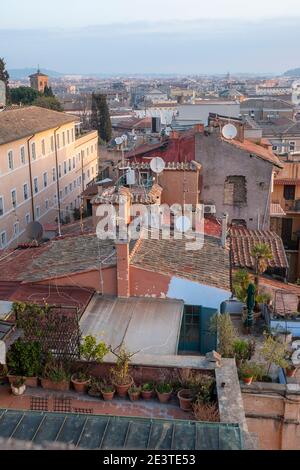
(24, 95)
(48, 92)
(100, 119)
(223, 326)
(262, 253)
(274, 352)
(4, 76)
(48, 102)
(241, 281)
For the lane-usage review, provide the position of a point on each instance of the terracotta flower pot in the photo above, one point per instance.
(164, 397)
(18, 390)
(62, 386)
(29, 381)
(247, 380)
(134, 396)
(123, 389)
(108, 396)
(80, 386)
(147, 394)
(290, 372)
(13, 378)
(185, 397)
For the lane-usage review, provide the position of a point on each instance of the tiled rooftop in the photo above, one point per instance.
(209, 265)
(244, 240)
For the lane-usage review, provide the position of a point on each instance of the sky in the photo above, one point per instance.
(162, 36)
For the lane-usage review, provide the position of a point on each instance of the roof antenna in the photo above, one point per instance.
(38, 69)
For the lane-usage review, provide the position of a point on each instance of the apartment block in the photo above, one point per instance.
(45, 165)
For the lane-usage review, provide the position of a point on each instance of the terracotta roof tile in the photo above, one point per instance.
(243, 240)
(257, 150)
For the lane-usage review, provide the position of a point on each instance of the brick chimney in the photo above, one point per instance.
(123, 273)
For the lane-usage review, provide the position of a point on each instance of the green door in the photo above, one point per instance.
(195, 335)
(208, 340)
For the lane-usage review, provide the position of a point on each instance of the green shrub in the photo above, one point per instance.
(24, 358)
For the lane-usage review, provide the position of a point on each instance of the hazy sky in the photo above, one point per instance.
(185, 36)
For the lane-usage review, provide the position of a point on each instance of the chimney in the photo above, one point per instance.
(224, 229)
(123, 274)
(199, 128)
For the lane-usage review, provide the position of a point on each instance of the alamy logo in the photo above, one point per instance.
(130, 222)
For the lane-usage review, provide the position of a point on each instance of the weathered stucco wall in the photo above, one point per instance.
(274, 415)
(220, 159)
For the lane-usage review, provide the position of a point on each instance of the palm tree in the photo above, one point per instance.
(262, 253)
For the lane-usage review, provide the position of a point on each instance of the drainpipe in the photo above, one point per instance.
(224, 229)
(30, 176)
(57, 182)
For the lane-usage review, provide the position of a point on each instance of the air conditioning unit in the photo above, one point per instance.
(209, 209)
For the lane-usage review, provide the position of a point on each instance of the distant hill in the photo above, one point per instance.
(292, 73)
(21, 74)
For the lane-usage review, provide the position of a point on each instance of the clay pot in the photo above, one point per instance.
(185, 397)
(247, 380)
(29, 381)
(134, 396)
(18, 390)
(123, 389)
(80, 386)
(108, 396)
(13, 378)
(62, 386)
(164, 397)
(147, 394)
(290, 371)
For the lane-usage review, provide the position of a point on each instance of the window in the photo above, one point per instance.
(235, 190)
(91, 149)
(289, 191)
(78, 157)
(43, 147)
(70, 164)
(274, 148)
(82, 154)
(52, 143)
(70, 187)
(74, 162)
(83, 176)
(16, 229)
(74, 184)
(92, 170)
(59, 171)
(27, 219)
(68, 136)
(292, 146)
(25, 191)
(33, 151)
(79, 180)
(87, 151)
(64, 139)
(14, 198)
(47, 204)
(3, 240)
(45, 180)
(37, 212)
(1, 206)
(10, 160)
(65, 168)
(71, 205)
(60, 194)
(72, 131)
(53, 174)
(57, 141)
(36, 185)
(22, 155)
(88, 174)
(66, 190)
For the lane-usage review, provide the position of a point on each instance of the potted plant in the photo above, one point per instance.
(147, 391)
(243, 350)
(120, 373)
(164, 392)
(90, 351)
(134, 393)
(108, 391)
(24, 359)
(55, 376)
(290, 371)
(95, 388)
(18, 386)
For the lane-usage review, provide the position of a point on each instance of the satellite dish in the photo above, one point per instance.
(34, 231)
(157, 165)
(119, 140)
(124, 137)
(183, 224)
(229, 131)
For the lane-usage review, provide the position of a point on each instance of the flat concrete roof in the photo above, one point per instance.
(145, 325)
